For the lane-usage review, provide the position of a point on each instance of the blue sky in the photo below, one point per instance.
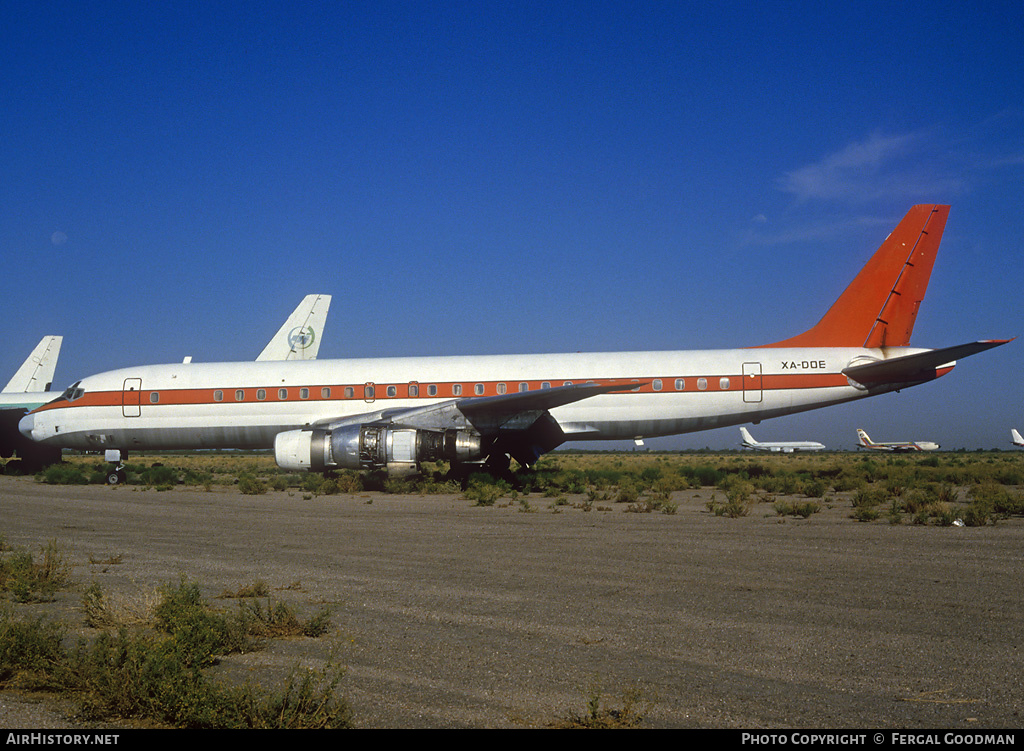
(480, 178)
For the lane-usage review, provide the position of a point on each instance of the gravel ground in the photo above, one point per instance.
(448, 615)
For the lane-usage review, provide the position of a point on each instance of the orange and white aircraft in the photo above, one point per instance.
(394, 413)
(864, 440)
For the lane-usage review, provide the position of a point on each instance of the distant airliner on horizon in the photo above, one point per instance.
(1015, 437)
(394, 413)
(786, 447)
(898, 446)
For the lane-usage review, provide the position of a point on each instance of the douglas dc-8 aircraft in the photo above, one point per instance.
(900, 446)
(786, 447)
(397, 412)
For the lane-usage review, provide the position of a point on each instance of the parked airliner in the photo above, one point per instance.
(786, 447)
(29, 388)
(1015, 437)
(864, 440)
(298, 338)
(394, 413)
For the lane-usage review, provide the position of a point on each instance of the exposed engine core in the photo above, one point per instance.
(396, 449)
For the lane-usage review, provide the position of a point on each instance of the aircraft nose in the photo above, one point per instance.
(27, 425)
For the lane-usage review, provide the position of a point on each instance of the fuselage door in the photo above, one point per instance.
(752, 382)
(131, 397)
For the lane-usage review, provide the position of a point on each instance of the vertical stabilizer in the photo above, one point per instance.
(36, 373)
(299, 338)
(880, 306)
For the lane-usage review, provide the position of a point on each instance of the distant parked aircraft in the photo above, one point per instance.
(899, 446)
(1015, 437)
(786, 447)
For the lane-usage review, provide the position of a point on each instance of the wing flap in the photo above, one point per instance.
(487, 413)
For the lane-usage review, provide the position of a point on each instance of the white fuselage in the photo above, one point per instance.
(246, 404)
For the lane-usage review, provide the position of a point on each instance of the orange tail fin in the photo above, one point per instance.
(880, 306)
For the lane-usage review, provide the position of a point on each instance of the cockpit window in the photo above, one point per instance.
(73, 392)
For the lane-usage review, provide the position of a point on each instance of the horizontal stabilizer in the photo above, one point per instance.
(917, 367)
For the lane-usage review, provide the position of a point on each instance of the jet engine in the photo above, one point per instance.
(399, 450)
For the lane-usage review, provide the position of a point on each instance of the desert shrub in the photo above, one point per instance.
(815, 488)
(158, 475)
(31, 579)
(804, 510)
(485, 490)
(63, 474)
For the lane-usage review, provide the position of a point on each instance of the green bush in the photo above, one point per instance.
(250, 485)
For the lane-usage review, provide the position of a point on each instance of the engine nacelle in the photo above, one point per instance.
(396, 449)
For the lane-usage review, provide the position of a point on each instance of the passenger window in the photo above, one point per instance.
(432, 390)
(414, 389)
(478, 389)
(349, 392)
(154, 397)
(723, 384)
(282, 394)
(524, 387)
(656, 384)
(325, 393)
(218, 395)
(392, 390)
(368, 392)
(239, 396)
(545, 385)
(457, 389)
(501, 388)
(702, 383)
(680, 384)
(303, 393)
(261, 394)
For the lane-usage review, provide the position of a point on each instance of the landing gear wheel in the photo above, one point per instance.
(115, 476)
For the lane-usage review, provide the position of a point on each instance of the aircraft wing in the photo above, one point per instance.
(36, 373)
(518, 424)
(299, 337)
(918, 367)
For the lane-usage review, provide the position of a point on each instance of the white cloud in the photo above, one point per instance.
(882, 166)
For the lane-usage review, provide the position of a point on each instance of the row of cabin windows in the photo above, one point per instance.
(414, 390)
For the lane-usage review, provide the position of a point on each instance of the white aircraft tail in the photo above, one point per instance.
(1017, 440)
(36, 373)
(748, 440)
(863, 438)
(299, 337)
